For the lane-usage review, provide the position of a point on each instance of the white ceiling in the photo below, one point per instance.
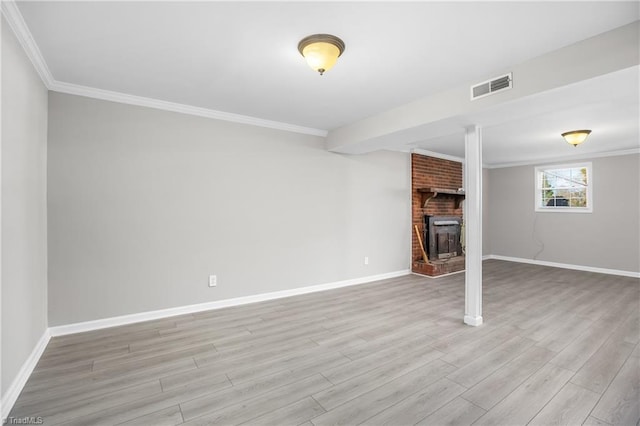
(242, 58)
(529, 129)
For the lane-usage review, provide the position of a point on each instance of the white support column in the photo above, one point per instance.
(473, 225)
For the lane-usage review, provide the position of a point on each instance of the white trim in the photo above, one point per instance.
(12, 393)
(566, 266)
(181, 310)
(472, 214)
(538, 194)
(563, 159)
(437, 155)
(473, 321)
(12, 13)
(123, 98)
(16, 22)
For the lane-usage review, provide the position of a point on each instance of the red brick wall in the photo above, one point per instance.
(429, 172)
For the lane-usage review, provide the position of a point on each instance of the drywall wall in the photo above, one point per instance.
(145, 204)
(607, 238)
(24, 214)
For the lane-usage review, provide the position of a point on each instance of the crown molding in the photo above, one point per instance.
(108, 95)
(585, 156)
(531, 162)
(16, 22)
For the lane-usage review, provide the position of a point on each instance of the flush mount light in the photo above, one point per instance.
(321, 51)
(576, 137)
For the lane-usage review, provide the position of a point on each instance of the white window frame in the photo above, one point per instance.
(552, 209)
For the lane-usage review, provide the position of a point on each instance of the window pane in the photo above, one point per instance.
(563, 188)
(557, 202)
(578, 202)
(581, 176)
(548, 180)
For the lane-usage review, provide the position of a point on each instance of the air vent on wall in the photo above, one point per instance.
(492, 86)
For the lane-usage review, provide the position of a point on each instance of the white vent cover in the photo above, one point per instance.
(492, 86)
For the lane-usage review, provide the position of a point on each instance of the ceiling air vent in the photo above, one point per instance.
(492, 86)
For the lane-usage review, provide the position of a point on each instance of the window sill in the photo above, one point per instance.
(563, 210)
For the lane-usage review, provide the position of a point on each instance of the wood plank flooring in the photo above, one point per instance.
(557, 347)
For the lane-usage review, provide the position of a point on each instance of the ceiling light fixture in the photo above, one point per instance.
(321, 51)
(576, 137)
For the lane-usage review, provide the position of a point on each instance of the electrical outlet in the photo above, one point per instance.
(213, 281)
(366, 260)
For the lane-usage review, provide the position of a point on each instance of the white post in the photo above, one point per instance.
(473, 225)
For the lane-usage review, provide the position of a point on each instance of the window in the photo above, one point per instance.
(564, 188)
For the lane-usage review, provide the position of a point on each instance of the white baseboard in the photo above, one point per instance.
(473, 321)
(12, 393)
(80, 327)
(565, 266)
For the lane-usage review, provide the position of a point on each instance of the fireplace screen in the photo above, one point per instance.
(442, 235)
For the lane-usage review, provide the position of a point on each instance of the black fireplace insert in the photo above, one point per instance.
(442, 236)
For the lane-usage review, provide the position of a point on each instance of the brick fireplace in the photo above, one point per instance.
(436, 183)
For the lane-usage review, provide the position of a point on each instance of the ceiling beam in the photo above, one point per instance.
(450, 111)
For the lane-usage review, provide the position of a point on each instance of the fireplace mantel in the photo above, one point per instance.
(429, 193)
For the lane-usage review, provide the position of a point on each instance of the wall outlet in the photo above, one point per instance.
(366, 260)
(213, 280)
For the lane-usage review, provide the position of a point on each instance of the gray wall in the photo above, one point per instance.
(606, 238)
(24, 209)
(145, 204)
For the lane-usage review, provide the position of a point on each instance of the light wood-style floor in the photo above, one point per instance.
(557, 347)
